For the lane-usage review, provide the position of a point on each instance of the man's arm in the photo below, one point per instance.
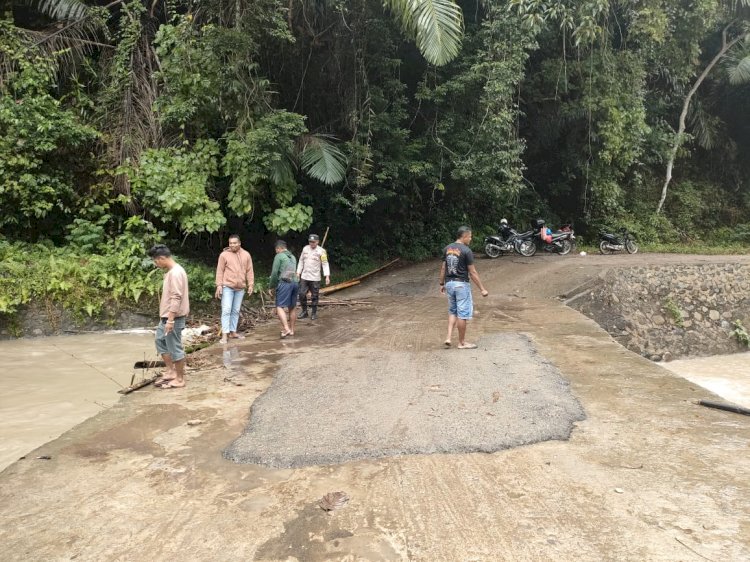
(177, 286)
(477, 281)
(300, 262)
(220, 275)
(326, 267)
(442, 277)
(275, 271)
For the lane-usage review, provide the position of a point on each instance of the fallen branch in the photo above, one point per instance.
(136, 386)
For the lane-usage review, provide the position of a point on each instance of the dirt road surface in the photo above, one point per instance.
(647, 475)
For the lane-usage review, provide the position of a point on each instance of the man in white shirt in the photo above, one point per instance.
(312, 260)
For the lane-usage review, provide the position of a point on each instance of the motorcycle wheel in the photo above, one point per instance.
(527, 248)
(565, 247)
(631, 247)
(604, 248)
(492, 251)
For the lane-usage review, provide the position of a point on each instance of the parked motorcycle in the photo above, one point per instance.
(610, 243)
(561, 242)
(504, 242)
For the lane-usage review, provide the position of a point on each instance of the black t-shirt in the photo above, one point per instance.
(457, 258)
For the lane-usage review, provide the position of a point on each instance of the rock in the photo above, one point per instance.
(657, 319)
(655, 358)
(667, 357)
(37, 332)
(727, 315)
(195, 422)
(698, 316)
(619, 490)
(726, 326)
(687, 324)
(714, 315)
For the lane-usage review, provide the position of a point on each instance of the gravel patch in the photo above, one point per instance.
(365, 403)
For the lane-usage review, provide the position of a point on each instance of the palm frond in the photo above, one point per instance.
(323, 160)
(708, 129)
(60, 10)
(437, 26)
(739, 71)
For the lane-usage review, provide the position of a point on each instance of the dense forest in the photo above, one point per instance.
(390, 121)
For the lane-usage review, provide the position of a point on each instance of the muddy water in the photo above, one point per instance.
(52, 384)
(725, 375)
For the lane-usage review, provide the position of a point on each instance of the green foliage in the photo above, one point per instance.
(674, 311)
(174, 184)
(260, 163)
(190, 71)
(435, 25)
(740, 332)
(297, 218)
(39, 138)
(89, 284)
(323, 160)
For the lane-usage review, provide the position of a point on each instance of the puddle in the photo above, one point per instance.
(727, 376)
(51, 384)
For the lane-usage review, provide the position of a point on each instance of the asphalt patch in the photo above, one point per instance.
(366, 403)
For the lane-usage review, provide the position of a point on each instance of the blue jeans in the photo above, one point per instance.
(231, 301)
(460, 303)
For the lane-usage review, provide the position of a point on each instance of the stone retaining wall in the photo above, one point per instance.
(667, 312)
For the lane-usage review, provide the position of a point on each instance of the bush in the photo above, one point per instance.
(88, 283)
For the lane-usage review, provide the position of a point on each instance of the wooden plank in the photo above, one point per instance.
(374, 271)
(337, 287)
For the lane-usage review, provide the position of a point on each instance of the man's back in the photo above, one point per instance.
(458, 257)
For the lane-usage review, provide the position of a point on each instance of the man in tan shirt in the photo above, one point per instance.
(234, 275)
(173, 310)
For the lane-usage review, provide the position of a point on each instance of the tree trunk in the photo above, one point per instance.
(725, 46)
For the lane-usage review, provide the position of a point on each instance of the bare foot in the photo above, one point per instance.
(236, 336)
(467, 346)
(172, 384)
(447, 343)
(165, 377)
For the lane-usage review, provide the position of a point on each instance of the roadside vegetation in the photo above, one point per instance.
(389, 122)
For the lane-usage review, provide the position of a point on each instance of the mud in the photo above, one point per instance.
(53, 384)
(647, 475)
(365, 403)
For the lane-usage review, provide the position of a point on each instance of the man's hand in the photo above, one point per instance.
(442, 289)
(168, 328)
(219, 291)
(250, 289)
(328, 280)
(485, 292)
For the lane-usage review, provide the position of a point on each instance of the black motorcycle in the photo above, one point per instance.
(562, 241)
(504, 242)
(611, 243)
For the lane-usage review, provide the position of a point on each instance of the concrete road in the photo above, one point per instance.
(647, 476)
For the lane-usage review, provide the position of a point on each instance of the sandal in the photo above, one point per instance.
(468, 346)
(170, 386)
